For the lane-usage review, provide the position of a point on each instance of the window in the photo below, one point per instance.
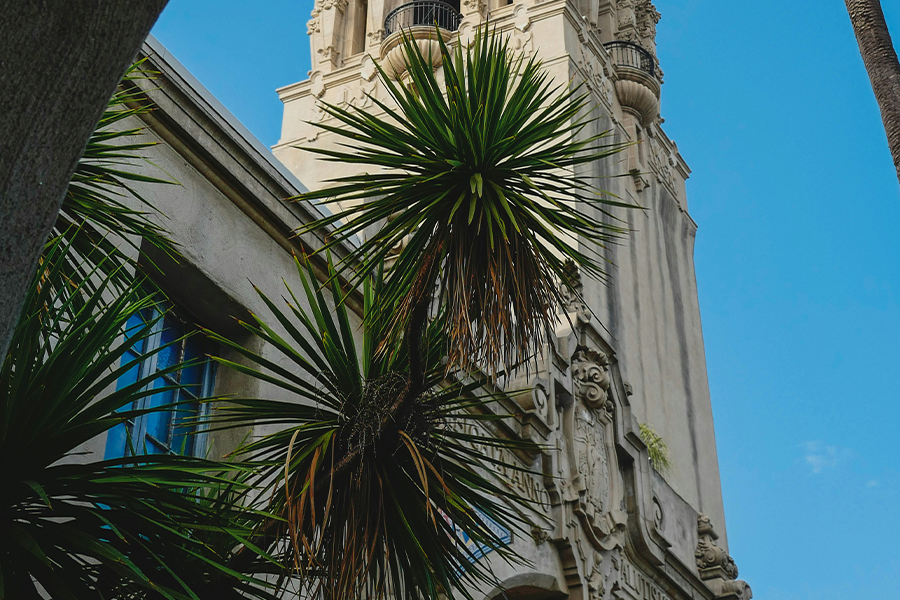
(172, 431)
(355, 26)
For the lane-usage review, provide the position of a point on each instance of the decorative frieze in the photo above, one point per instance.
(637, 585)
(523, 483)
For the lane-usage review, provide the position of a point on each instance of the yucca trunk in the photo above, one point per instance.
(881, 63)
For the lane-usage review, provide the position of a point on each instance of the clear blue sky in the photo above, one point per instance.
(797, 261)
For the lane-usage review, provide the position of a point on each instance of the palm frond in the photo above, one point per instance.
(370, 512)
(141, 526)
(488, 176)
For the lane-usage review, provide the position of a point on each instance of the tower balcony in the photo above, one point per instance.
(636, 86)
(417, 21)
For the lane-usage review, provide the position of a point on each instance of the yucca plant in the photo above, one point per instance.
(483, 180)
(139, 526)
(144, 526)
(368, 514)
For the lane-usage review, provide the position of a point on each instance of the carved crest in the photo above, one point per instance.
(590, 375)
(591, 462)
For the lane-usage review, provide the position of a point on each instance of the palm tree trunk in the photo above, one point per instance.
(881, 63)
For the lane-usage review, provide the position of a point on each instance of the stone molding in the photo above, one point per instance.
(393, 59)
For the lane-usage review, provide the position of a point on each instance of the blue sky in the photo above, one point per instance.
(797, 261)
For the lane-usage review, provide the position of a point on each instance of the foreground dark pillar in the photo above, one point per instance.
(59, 64)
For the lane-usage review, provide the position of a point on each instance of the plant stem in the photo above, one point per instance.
(420, 299)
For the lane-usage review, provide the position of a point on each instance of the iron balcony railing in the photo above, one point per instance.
(629, 54)
(422, 12)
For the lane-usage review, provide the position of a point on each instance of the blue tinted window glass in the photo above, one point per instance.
(166, 431)
(171, 354)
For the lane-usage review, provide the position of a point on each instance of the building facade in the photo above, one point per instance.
(606, 524)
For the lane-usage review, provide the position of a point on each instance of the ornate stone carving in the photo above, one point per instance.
(590, 373)
(661, 164)
(572, 294)
(716, 567)
(341, 5)
(640, 93)
(595, 75)
(393, 53)
(539, 534)
(591, 462)
(594, 576)
(329, 54)
(313, 25)
(645, 19)
(375, 37)
(474, 6)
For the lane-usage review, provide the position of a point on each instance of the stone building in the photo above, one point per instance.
(609, 524)
(605, 523)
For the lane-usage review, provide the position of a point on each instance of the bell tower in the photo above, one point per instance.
(618, 526)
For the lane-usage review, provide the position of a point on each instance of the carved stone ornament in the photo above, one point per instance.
(645, 18)
(474, 6)
(572, 294)
(539, 534)
(329, 54)
(590, 374)
(341, 5)
(375, 37)
(716, 567)
(594, 575)
(312, 26)
(592, 463)
(662, 163)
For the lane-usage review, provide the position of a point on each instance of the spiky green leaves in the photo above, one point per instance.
(486, 176)
(371, 511)
(80, 528)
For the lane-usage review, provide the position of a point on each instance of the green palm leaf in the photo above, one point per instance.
(141, 526)
(488, 176)
(370, 511)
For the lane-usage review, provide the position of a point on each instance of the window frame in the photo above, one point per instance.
(137, 438)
